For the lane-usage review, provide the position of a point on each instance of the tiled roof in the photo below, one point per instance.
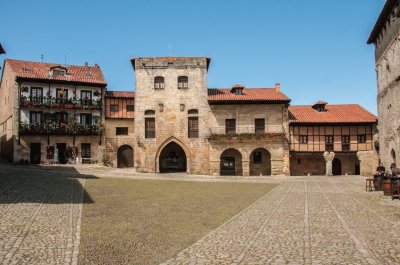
(380, 22)
(39, 70)
(224, 95)
(120, 94)
(346, 113)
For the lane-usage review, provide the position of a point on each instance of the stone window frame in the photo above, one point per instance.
(86, 150)
(149, 124)
(121, 130)
(183, 82)
(159, 82)
(259, 125)
(230, 126)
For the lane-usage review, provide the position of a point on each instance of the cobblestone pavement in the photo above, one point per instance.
(40, 216)
(306, 220)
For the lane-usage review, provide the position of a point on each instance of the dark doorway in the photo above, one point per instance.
(35, 153)
(125, 156)
(357, 169)
(231, 163)
(62, 148)
(172, 159)
(227, 166)
(336, 167)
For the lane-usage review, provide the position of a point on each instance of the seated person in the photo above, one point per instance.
(395, 170)
(380, 170)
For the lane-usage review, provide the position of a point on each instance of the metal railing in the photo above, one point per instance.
(246, 129)
(59, 129)
(64, 103)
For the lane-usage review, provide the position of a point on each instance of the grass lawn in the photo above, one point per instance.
(149, 221)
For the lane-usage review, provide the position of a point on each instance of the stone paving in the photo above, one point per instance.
(40, 216)
(309, 220)
(304, 220)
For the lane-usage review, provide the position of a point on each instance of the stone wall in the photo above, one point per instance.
(114, 142)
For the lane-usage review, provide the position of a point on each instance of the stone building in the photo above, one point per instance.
(386, 38)
(51, 112)
(182, 125)
(348, 130)
(120, 134)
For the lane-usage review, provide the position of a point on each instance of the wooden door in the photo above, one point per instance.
(62, 148)
(35, 153)
(125, 156)
(336, 167)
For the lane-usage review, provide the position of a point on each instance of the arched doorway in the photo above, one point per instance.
(125, 156)
(172, 158)
(260, 162)
(231, 163)
(336, 167)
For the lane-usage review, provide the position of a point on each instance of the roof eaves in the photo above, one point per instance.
(383, 16)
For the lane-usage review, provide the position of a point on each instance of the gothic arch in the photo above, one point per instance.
(167, 142)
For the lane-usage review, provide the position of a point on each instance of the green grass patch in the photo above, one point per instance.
(150, 221)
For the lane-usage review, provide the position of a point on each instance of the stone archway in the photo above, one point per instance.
(260, 162)
(172, 158)
(125, 156)
(231, 163)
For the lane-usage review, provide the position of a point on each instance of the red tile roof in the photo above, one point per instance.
(224, 95)
(346, 113)
(120, 94)
(39, 70)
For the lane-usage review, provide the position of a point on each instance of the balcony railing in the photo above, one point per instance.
(59, 129)
(247, 129)
(60, 103)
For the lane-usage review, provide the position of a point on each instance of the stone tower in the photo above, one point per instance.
(169, 92)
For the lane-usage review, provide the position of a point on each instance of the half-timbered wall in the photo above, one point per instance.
(122, 108)
(316, 137)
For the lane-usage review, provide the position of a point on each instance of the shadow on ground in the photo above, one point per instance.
(42, 184)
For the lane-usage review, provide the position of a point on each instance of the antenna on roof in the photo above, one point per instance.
(42, 57)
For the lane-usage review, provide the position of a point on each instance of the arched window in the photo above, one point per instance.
(183, 82)
(149, 112)
(193, 111)
(159, 82)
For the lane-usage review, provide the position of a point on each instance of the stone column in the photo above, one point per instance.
(276, 167)
(329, 156)
(246, 167)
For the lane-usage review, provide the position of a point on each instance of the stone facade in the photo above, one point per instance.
(385, 37)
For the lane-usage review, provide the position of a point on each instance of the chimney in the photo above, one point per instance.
(96, 65)
(86, 64)
(278, 87)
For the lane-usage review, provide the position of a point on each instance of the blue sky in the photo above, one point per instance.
(316, 49)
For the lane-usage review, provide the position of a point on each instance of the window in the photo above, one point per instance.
(159, 82)
(85, 150)
(345, 143)
(361, 138)
(114, 108)
(183, 82)
(193, 127)
(35, 117)
(257, 157)
(121, 131)
(150, 128)
(329, 142)
(230, 126)
(86, 119)
(58, 72)
(130, 108)
(86, 97)
(259, 125)
(61, 95)
(303, 139)
(60, 117)
(36, 94)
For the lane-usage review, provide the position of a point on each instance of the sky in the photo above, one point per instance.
(316, 49)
